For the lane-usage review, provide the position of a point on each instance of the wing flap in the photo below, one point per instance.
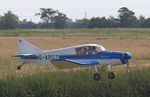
(83, 62)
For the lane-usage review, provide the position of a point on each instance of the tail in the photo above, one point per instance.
(24, 47)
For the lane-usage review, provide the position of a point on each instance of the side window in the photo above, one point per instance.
(87, 50)
(80, 51)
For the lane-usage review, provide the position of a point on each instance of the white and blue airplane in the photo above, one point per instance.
(85, 55)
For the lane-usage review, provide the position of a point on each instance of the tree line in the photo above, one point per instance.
(57, 20)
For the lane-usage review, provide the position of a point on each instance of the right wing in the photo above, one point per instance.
(83, 62)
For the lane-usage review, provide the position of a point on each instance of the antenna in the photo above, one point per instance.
(85, 15)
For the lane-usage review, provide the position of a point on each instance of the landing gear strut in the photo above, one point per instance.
(111, 74)
(19, 66)
(96, 75)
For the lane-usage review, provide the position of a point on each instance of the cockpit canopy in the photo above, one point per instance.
(90, 49)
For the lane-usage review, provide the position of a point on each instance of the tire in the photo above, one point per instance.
(111, 75)
(96, 77)
(18, 67)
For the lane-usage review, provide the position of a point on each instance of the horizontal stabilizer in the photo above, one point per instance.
(83, 62)
(26, 56)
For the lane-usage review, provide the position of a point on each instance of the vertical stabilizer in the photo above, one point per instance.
(24, 47)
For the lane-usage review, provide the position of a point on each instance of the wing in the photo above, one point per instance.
(83, 62)
(26, 56)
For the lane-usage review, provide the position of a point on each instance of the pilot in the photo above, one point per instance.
(92, 50)
(85, 51)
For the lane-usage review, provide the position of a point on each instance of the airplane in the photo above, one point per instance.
(84, 55)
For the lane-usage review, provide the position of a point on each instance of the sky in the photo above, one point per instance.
(74, 9)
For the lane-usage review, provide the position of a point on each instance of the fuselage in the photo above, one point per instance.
(83, 53)
(104, 57)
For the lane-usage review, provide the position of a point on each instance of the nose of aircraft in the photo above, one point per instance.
(128, 55)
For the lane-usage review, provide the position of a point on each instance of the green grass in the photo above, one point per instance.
(56, 32)
(77, 84)
(15, 83)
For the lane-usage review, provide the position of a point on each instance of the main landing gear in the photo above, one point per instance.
(19, 66)
(97, 76)
(111, 74)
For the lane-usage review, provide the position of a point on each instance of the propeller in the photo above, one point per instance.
(127, 61)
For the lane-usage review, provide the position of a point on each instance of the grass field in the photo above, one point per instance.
(36, 80)
(78, 32)
(136, 41)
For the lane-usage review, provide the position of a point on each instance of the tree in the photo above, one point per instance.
(84, 23)
(142, 21)
(52, 18)
(127, 18)
(9, 21)
(0, 22)
(70, 23)
(113, 22)
(78, 23)
(98, 22)
(146, 23)
(26, 24)
(59, 20)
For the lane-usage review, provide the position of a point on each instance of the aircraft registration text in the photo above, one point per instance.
(48, 57)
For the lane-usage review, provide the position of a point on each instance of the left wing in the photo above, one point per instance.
(83, 62)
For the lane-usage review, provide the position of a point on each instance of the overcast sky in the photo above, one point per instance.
(74, 9)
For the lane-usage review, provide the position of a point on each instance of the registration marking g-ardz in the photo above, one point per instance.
(48, 57)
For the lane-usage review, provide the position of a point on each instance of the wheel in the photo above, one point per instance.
(96, 77)
(19, 67)
(111, 75)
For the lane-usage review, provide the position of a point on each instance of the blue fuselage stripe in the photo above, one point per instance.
(102, 55)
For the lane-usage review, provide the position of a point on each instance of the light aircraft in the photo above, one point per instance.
(84, 55)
